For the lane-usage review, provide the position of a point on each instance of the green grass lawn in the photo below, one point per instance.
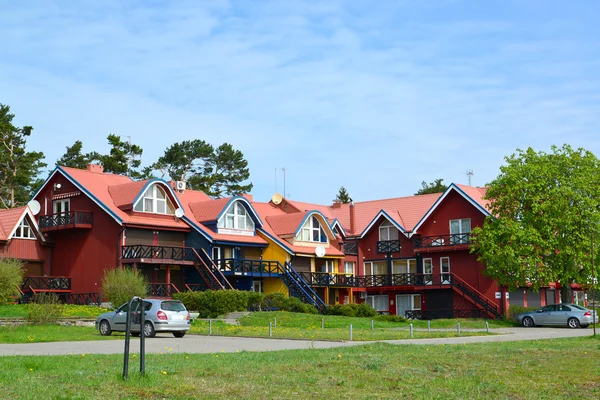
(550, 369)
(51, 333)
(70, 311)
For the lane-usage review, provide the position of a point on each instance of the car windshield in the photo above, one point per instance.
(172, 306)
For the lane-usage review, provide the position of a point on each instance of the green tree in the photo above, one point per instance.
(436, 186)
(11, 279)
(73, 157)
(343, 196)
(545, 211)
(123, 158)
(19, 168)
(217, 171)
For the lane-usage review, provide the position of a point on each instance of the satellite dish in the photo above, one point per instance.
(179, 212)
(277, 198)
(320, 251)
(34, 206)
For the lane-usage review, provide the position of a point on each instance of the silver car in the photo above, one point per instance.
(571, 315)
(161, 316)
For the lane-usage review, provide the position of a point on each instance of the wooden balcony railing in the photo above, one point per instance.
(406, 280)
(46, 283)
(442, 240)
(161, 252)
(162, 289)
(388, 246)
(328, 279)
(351, 248)
(244, 266)
(71, 219)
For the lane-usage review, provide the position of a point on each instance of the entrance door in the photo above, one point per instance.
(177, 278)
(402, 304)
(427, 270)
(445, 270)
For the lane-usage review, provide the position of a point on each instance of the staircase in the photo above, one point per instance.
(475, 296)
(300, 289)
(211, 274)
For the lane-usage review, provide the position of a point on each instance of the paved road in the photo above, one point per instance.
(216, 344)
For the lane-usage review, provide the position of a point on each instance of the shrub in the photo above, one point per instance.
(119, 285)
(273, 301)
(11, 279)
(366, 310)
(347, 310)
(212, 303)
(294, 304)
(45, 308)
(515, 310)
(255, 300)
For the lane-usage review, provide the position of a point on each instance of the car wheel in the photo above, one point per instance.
(573, 323)
(179, 334)
(528, 322)
(149, 329)
(104, 328)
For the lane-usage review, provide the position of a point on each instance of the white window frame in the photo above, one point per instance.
(329, 266)
(412, 298)
(445, 270)
(311, 227)
(349, 267)
(236, 217)
(407, 266)
(257, 285)
(62, 206)
(459, 240)
(23, 227)
(387, 231)
(151, 195)
(427, 273)
(376, 302)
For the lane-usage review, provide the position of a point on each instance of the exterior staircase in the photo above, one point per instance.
(211, 274)
(478, 298)
(300, 288)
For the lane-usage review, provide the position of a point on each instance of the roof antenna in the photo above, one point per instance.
(469, 175)
(283, 169)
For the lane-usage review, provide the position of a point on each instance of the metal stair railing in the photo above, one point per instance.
(299, 288)
(477, 297)
(217, 272)
(205, 272)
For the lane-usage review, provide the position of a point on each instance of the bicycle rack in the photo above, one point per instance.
(138, 318)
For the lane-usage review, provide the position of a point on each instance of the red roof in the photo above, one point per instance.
(123, 195)
(9, 218)
(285, 224)
(209, 210)
(477, 194)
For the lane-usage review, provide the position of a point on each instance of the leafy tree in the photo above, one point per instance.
(11, 278)
(436, 186)
(343, 196)
(123, 159)
(119, 285)
(73, 157)
(545, 211)
(218, 172)
(19, 168)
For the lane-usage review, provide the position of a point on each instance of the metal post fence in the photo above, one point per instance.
(140, 319)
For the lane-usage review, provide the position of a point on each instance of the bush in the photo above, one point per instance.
(352, 310)
(212, 303)
(255, 301)
(391, 318)
(273, 301)
(515, 310)
(365, 310)
(294, 304)
(45, 308)
(119, 285)
(11, 279)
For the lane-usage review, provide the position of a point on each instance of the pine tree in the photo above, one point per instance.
(123, 159)
(436, 186)
(73, 157)
(343, 196)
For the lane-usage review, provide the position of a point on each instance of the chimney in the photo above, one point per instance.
(337, 204)
(95, 168)
(352, 218)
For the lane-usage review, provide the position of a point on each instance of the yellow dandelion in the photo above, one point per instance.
(186, 357)
(83, 355)
(164, 372)
(170, 349)
(30, 369)
(339, 356)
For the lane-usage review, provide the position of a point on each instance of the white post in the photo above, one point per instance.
(411, 331)
(275, 325)
(458, 327)
(322, 323)
(487, 327)
(372, 325)
(270, 329)
(350, 332)
(209, 327)
(428, 326)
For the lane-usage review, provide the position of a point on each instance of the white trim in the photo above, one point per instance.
(442, 197)
(32, 224)
(155, 200)
(374, 220)
(235, 230)
(425, 274)
(442, 273)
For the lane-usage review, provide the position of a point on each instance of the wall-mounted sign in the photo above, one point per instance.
(498, 295)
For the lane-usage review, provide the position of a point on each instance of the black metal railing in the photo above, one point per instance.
(71, 218)
(388, 246)
(351, 248)
(327, 279)
(46, 283)
(161, 252)
(442, 240)
(84, 299)
(407, 280)
(244, 266)
(162, 289)
(300, 288)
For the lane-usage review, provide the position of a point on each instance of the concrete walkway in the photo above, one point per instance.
(216, 344)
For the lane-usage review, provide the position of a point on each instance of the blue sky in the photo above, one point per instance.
(375, 96)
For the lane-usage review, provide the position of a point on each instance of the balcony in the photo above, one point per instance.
(46, 284)
(388, 246)
(328, 279)
(434, 280)
(66, 220)
(455, 241)
(248, 267)
(159, 254)
(162, 289)
(351, 248)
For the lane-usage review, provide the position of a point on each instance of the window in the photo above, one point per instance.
(445, 269)
(236, 217)
(403, 269)
(155, 201)
(312, 232)
(349, 267)
(427, 270)
(61, 206)
(328, 267)
(379, 303)
(375, 268)
(24, 231)
(257, 286)
(387, 231)
(459, 230)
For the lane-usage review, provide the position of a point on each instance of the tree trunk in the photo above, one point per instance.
(566, 294)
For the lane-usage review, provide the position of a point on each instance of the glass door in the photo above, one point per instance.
(445, 270)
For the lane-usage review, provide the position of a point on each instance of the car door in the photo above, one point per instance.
(543, 314)
(559, 316)
(120, 318)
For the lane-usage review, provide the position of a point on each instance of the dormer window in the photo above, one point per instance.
(236, 217)
(312, 231)
(155, 200)
(24, 231)
(387, 232)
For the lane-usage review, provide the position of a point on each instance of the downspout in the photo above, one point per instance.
(119, 246)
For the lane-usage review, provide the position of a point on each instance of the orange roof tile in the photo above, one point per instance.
(124, 194)
(9, 218)
(286, 224)
(209, 210)
(477, 194)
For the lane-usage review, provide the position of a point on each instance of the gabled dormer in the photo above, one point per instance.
(155, 200)
(236, 219)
